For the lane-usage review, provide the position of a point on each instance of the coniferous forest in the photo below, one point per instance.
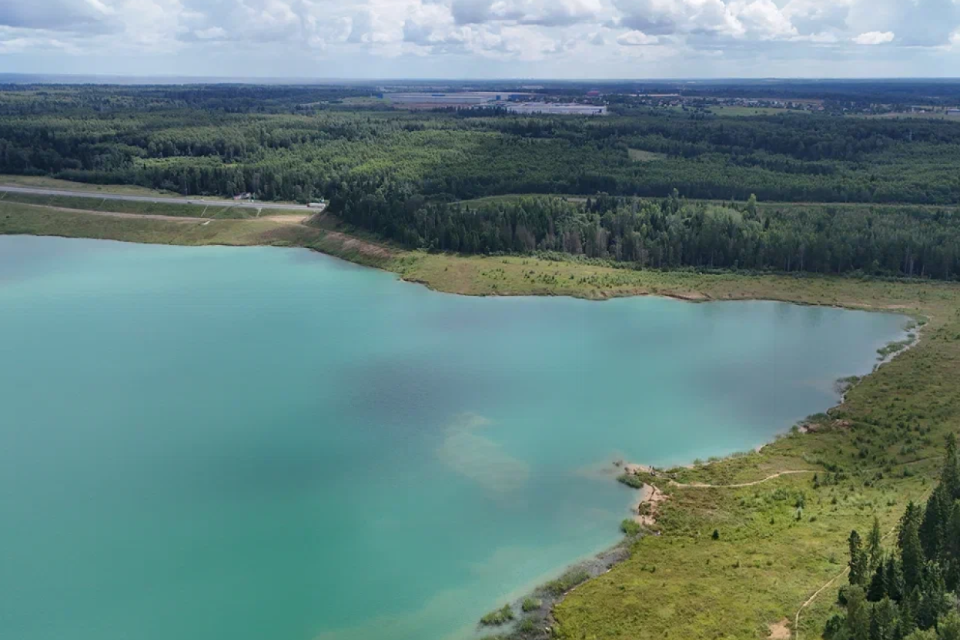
(907, 592)
(652, 188)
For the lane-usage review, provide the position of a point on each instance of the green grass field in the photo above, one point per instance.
(175, 209)
(639, 155)
(778, 541)
(735, 111)
(69, 185)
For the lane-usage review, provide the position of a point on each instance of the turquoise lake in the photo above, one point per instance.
(262, 443)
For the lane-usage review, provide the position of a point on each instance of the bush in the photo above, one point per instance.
(567, 581)
(631, 480)
(531, 604)
(630, 528)
(499, 617)
(526, 626)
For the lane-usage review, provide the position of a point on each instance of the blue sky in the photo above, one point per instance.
(483, 38)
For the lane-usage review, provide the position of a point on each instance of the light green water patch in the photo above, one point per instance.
(268, 443)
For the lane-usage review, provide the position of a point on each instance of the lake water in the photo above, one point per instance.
(203, 443)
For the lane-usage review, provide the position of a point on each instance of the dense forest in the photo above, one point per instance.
(672, 233)
(630, 179)
(908, 593)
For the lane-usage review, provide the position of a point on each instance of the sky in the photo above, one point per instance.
(560, 39)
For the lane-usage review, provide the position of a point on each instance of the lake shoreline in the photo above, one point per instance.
(806, 294)
(649, 499)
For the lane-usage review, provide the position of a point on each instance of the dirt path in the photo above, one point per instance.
(796, 618)
(198, 200)
(701, 485)
(289, 219)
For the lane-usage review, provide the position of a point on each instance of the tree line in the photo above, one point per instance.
(910, 592)
(674, 232)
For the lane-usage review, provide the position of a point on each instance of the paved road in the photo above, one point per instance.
(113, 196)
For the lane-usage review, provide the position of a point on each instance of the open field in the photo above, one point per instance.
(933, 115)
(778, 541)
(218, 209)
(70, 185)
(735, 111)
(639, 155)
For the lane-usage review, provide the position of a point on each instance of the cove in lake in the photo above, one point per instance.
(256, 443)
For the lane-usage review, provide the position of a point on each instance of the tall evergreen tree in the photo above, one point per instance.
(911, 552)
(858, 614)
(950, 477)
(884, 619)
(934, 599)
(934, 522)
(877, 589)
(858, 560)
(949, 627)
(893, 584)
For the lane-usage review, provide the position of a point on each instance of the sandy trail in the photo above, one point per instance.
(701, 485)
(289, 219)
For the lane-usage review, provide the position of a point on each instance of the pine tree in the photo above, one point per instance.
(911, 554)
(877, 589)
(908, 613)
(884, 620)
(934, 601)
(858, 615)
(952, 541)
(933, 524)
(858, 560)
(949, 627)
(893, 584)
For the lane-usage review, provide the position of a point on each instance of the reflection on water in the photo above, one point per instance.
(249, 443)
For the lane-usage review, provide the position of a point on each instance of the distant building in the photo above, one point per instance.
(953, 112)
(550, 108)
(456, 99)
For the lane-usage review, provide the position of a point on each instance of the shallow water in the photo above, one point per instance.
(256, 443)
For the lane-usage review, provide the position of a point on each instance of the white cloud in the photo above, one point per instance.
(608, 37)
(874, 37)
(763, 19)
(211, 33)
(539, 12)
(636, 39)
(663, 17)
(924, 23)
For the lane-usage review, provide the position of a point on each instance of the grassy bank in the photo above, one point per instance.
(172, 209)
(46, 182)
(778, 541)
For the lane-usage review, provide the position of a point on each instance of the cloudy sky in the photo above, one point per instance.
(483, 38)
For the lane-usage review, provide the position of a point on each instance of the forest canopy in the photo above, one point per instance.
(631, 179)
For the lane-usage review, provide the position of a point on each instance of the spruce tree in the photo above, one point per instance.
(877, 589)
(949, 627)
(933, 524)
(893, 579)
(952, 542)
(911, 554)
(858, 614)
(858, 560)
(911, 515)
(934, 602)
(884, 619)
